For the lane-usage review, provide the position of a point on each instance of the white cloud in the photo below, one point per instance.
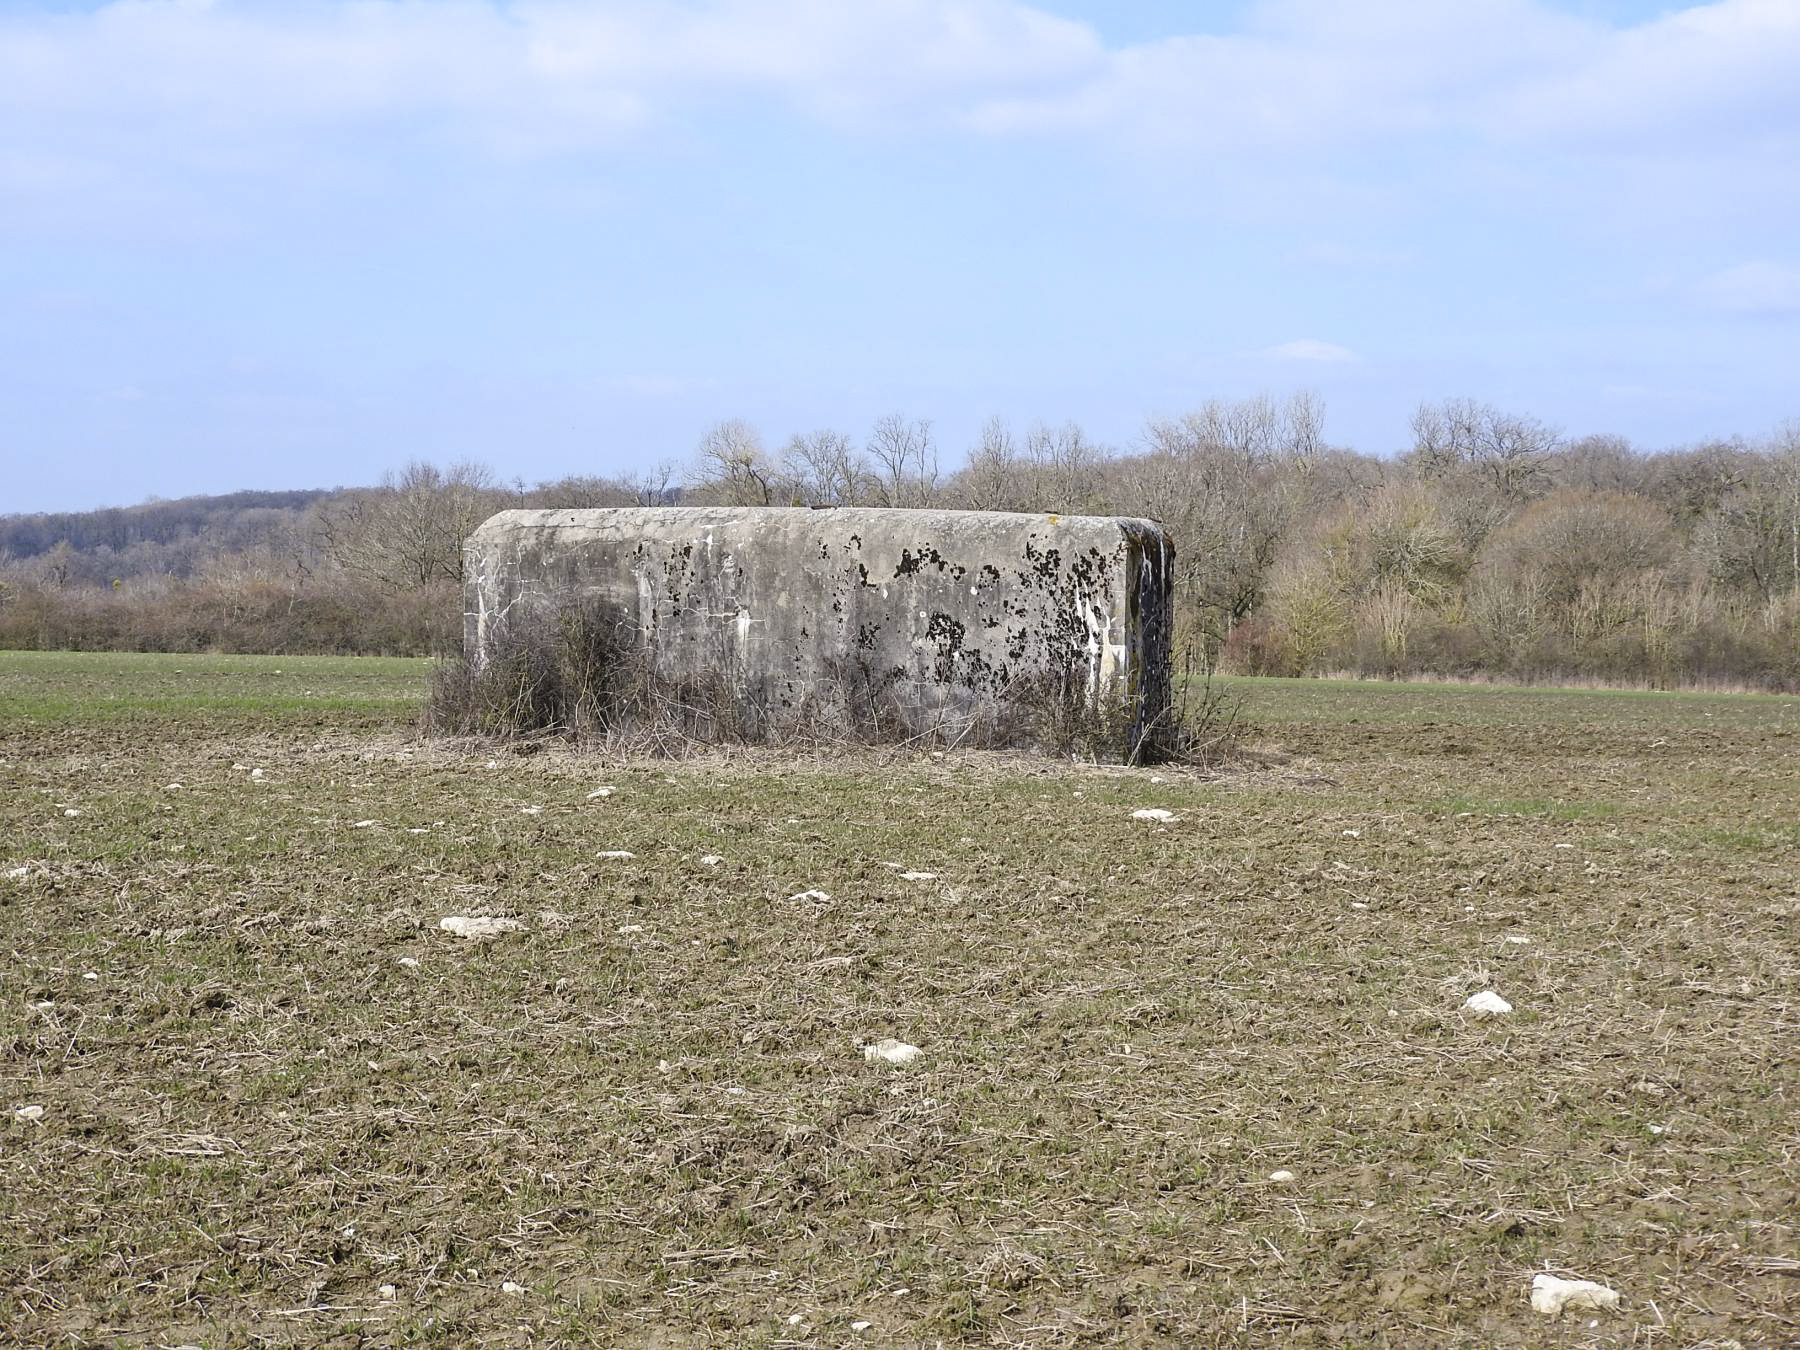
(136, 89)
(1752, 288)
(545, 74)
(1308, 349)
(1704, 75)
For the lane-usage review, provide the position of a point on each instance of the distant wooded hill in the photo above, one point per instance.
(158, 537)
(1492, 547)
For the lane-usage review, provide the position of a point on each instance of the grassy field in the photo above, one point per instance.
(1196, 1083)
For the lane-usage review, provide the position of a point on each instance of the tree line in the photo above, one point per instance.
(1493, 546)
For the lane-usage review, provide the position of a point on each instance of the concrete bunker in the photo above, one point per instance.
(955, 621)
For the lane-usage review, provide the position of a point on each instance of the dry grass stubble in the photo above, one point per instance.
(647, 1111)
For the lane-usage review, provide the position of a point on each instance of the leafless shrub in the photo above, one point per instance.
(583, 673)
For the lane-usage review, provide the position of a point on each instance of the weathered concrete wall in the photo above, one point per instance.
(951, 613)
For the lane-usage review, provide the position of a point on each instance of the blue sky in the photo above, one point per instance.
(295, 243)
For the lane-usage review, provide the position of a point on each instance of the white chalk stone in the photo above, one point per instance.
(887, 1050)
(615, 853)
(509, 1287)
(362, 824)
(1551, 1296)
(820, 896)
(918, 876)
(1281, 1176)
(388, 1291)
(1487, 1001)
(601, 792)
(710, 860)
(71, 813)
(478, 927)
(29, 1113)
(1155, 813)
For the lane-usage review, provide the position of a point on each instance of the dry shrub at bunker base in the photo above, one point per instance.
(579, 673)
(583, 673)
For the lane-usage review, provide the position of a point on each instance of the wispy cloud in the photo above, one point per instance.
(1752, 288)
(546, 75)
(1308, 349)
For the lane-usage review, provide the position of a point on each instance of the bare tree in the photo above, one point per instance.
(409, 531)
(826, 470)
(1064, 467)
(579, 492)
(1600, 463)
(1228, 479)
(1785, 456)
(1507, 453)
(654, 486)
(905, 460)
(734, 467)
(992, 481)
(58, 563)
